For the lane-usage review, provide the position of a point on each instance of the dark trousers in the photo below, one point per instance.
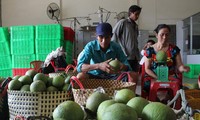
(134, 65)
(108, 77)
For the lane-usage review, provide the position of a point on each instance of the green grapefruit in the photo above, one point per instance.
(124, 95)
(14, 85)
(31, 73)
(138, 103)
(25, 80)
(37, 86)
(65, 87)
(1, 79)
(25, 88)
(49, 81)
(58, 81)
(16, 77)
(119, 111)
(40, 76)
(116, 64)
(103, 106)
(158, 111)
(95, 99)
(68, 110)
(161, 56)
(52, 88)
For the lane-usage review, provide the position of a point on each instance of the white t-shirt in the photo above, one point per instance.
(143, 57)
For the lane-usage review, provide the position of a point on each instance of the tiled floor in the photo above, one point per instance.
(189, 80)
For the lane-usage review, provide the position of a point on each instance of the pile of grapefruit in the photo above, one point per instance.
(39, 82)
(125, 105)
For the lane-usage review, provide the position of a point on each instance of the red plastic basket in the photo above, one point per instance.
(20, 71)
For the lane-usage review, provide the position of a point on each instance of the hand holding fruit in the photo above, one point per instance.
(104, 66)
(116, 65)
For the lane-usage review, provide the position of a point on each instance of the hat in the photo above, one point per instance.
(104, 29)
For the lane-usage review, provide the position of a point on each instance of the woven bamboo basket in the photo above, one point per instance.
(193, 98)
(70, 72)
(35, 103)
(82, 90)
(192, 93)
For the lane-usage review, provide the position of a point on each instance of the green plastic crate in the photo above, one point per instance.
(21, 47)
(41, 57)
(22, 61)
(22, 32)
(69, 59)
(68, 44)
(194, 71)
(5, 62)
(4, 48)
(6, 73)
(49, 31)
(4, 34)
(47, 46)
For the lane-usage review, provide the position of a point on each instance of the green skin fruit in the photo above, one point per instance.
(16, 77)
(119, 111)
(138, 103)
(14, 85)
(161, 56)
(25, 80)
(158, 111)
(103, 106)
(31, 73)
(124, 95)
(49, 82)
(116, 64)
(25, 88)
(52, 88)
(40, 76)
(68, 110)
(37, 86)
(58, 81)
(95, 99)
(65, 87)
(1, 79)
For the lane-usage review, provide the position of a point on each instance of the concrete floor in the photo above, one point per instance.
(185, 80)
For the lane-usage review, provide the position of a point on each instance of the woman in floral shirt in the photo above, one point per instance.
(174, 61)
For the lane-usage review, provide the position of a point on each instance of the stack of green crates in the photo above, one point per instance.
(68, 45)
(22, 46)
(5, 57)
(194, 72)
(48, 37)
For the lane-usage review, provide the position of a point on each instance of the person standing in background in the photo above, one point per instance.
(125, 32)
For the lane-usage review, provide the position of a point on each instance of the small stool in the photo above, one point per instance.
(164, 86)
(37, 65)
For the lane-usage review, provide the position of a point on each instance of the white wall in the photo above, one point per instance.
(82, 8)
(155, 12)
(193, 59)
(23, 12)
